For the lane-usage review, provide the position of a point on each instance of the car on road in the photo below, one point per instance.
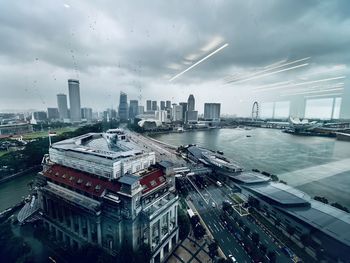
(213, 204)
(232, 258)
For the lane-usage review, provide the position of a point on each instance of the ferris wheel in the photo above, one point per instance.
(255, 111)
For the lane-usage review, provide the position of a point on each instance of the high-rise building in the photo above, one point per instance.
(62, 106)
(212, 111)
(141, 110)
(86, 114)
(133, 109)
(53, 114)
(168, 104)
(190, 103)
(123, 107)
(177, 113)
(154, 105)
(40, 116)
(184, 110)
(162, 105)
(192, 116)
(74, 100)
(161, 115)
(148, 105)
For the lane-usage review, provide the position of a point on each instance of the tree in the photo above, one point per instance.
(339, 206)
(213, 249)
(194, 220)
(321, 199)
(272, 256)
(255, 238)
(184, 224)
(199, 231)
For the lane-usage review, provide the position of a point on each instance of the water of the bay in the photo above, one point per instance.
(13, 191)
(315, 165)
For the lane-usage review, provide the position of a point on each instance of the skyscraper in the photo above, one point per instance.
(52, 114)
(62, 106)
(123, 107)
(168, 104)
(154, 106)
(86, 114)
(212, 111)
(177, 113)
(148, 105)
(74, 100)
(184, 110)
(162, 105)
(133, 109)
(190, 103)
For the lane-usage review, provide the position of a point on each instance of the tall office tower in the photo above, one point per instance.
(141, 110)
(162, 105)
(133, 109)
(74, 100)
(192, 116)
(52, 114)
(168, 104)
(62, 106)
(212, 111)
(148, 105)
(123, 107)
(190, 103)
(154, 105)
(177, 114)
(86, 114)
(184, 110)
(161, 115)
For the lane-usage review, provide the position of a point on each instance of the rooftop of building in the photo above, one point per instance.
(250, 177)
(328, 219)
(150, 179)
(97, 144)
(324, 217)
(280, 194)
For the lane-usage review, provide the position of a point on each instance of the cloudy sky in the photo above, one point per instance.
(137, 46)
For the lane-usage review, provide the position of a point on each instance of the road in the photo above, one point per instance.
(203, 200)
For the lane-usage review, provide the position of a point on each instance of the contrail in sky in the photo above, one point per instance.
(200, 61)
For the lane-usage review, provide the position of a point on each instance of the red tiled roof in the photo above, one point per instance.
(93, 185)
(152, 180)
(80, 180)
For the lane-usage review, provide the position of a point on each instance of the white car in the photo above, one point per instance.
(232, 258)
(213, 204)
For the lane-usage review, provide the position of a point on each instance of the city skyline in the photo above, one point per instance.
(103, 75)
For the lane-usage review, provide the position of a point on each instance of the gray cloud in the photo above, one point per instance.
(117, 45)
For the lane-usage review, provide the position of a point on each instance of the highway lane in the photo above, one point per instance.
(219, 194)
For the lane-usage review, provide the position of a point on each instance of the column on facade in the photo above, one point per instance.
(71, 220)
(80, 228)
(99, 235)
(88, 230)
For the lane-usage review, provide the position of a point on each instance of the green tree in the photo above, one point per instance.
(184, 224)
(213, 249)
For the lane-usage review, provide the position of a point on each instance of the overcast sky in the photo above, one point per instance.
(137, 46)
